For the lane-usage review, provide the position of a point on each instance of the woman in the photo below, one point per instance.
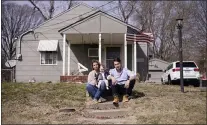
(91, 87)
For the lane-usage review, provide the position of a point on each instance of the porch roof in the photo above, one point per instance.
(94, 15)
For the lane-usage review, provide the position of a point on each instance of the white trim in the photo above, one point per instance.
(81, 66)
(64, 41)
(135, 55)
(125, 51)
(92, 49)
(68, 58)
(99, 48)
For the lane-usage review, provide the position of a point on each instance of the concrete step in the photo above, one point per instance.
(108, 105)
(128, 120)
(111, 113)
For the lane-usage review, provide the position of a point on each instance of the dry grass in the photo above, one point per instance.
(165, 104)
(157, 104)
(26, 103)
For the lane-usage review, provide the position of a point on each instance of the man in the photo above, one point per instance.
(121, 80)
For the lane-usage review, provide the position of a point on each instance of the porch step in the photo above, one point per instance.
(128, 120)
(108, 105)
(108, 114)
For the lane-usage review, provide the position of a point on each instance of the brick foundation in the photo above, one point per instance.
(82, 79)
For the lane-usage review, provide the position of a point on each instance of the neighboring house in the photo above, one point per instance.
(156, 69)
(54, 50)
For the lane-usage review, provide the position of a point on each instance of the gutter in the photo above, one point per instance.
(19, 55)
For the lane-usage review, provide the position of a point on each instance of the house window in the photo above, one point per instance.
(48, 58)
(92, 52)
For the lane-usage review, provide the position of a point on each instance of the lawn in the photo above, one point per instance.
(40, 103)
(34, 103)
(165, 104)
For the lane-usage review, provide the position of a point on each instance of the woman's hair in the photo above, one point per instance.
(95, 61)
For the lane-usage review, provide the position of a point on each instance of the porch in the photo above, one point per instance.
(99, 36)
(83, 48)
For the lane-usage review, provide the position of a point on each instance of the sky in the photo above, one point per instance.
(90, 3)
(59, 4)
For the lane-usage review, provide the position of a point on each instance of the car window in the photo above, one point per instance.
(170, 67)
(186, 64)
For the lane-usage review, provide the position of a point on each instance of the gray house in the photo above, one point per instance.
(62, 47)
(156, 68)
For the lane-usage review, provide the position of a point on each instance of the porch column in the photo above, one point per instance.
(135, 54)
(68, 58)
(64, 41)
(125, 51)
(99, 48)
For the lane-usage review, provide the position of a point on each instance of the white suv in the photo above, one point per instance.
(172, 73)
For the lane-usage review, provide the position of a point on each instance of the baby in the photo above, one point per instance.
(103, 76)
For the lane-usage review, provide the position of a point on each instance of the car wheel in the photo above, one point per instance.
(169, 81)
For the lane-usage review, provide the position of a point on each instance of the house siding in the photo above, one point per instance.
(30, 66)
(49, 30)
(94, 25)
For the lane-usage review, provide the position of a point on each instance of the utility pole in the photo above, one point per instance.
(179, 26)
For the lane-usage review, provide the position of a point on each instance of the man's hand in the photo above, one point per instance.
(113, 80)
(127, 84)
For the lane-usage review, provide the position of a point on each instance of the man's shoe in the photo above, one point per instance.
(125, 98)
(116, 100)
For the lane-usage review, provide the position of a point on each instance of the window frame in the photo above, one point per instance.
(45, 53)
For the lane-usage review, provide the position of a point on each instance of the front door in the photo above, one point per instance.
(111, 53)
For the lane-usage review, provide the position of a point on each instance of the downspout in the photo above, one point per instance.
(19, 55)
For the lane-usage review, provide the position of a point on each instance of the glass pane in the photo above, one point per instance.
(46, 61)
(54, 61)
(186, 64)
(42, 58)
(50, 61)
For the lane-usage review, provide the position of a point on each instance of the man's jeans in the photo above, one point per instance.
(119, 89)
(94, 91)
(131, 86)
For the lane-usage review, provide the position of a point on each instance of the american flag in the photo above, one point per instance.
(143, 37)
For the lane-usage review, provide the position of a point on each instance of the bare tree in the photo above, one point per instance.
(49, 8)
(159, 18)
(198, 36)
(15, 20)
(122, 9)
